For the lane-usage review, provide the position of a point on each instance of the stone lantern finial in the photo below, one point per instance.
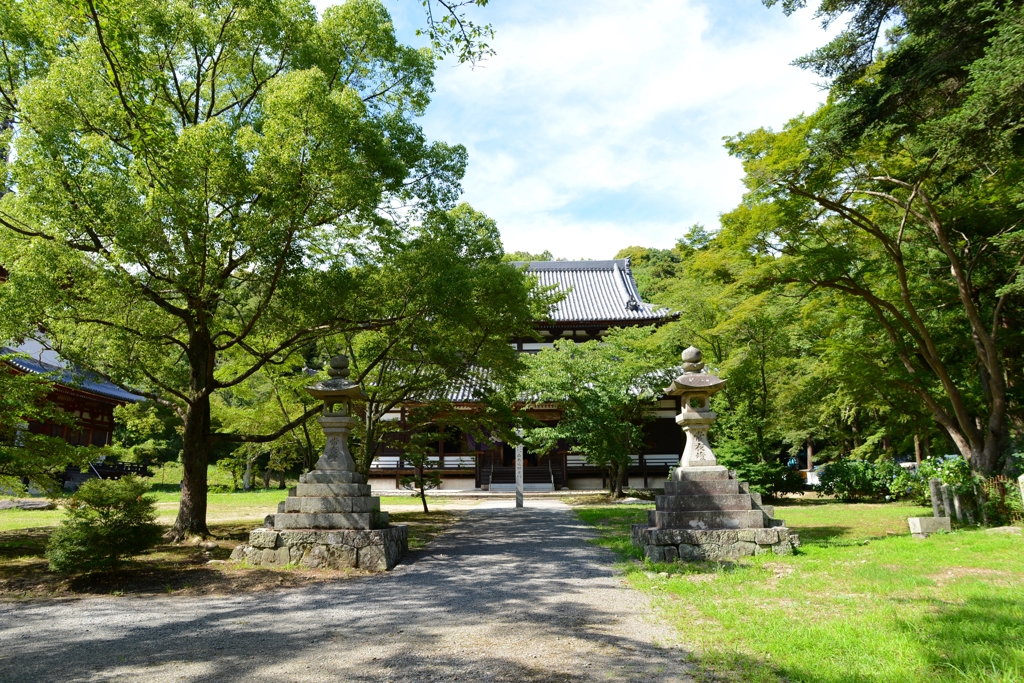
(337, 423)
(695, 388)
(692, 358)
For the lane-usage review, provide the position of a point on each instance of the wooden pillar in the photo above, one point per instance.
(643, 466)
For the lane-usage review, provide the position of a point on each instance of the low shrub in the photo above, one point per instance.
(912, 484)
(772, 478)
(852, 480)
(105, 522)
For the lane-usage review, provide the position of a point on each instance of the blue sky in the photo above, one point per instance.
(599, 123)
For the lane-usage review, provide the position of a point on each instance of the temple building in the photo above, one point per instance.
(599, 296)
(90, 398)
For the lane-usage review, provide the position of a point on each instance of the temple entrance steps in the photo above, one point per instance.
(503, 479)
(527, 488)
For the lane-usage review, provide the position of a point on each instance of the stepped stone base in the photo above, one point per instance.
(671, 545)
(709, 514)
(328, 521)
(373, 549)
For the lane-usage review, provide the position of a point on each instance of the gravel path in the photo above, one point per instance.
(506, 595)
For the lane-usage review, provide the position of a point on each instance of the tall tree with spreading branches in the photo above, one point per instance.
(199, 189)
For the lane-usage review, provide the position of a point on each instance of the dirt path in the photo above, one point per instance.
(506, 595)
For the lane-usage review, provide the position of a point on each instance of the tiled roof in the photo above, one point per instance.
(595, 291)
(74, 378)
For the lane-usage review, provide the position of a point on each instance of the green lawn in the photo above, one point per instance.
(861, 603)
(221, 508)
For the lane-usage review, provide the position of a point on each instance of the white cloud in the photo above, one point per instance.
(599, 125)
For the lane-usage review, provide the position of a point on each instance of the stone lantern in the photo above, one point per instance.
(330, 520)
(337, 394)
(706, 512)
(695, 387)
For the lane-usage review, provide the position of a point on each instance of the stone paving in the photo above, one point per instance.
(506, 595)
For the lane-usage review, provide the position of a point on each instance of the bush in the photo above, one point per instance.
(771, 478)
(851, 480)
(949, 469)
(105, 522)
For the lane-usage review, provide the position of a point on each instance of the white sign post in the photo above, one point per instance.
(519, 471)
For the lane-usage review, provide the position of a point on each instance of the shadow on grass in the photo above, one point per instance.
(171, 568)
(981, 639)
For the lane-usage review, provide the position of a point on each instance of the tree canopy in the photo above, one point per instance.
(198, 191)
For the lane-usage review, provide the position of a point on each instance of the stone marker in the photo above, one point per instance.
(706, 512)
(947, 505)
(933, 488)
(330, 520)
(1020, 481)
(920, 527)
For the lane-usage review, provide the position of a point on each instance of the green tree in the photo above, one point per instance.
(454, 269)
(105, 522)
(606, 391)
(208, 186)
(903, 193)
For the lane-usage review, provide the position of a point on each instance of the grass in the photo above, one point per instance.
(861, 603)
(221, 508)
(186, 569)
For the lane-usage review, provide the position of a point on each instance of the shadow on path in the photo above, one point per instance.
(516, 595)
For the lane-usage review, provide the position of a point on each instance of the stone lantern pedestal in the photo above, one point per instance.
(330, 520)
(706, 512)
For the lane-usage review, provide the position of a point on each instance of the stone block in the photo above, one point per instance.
(690, 553)
(744, 548)
(702, 487)
(325, 520)
(713, 519)
(720, 501)
(330, 490)
(920, 527)
(654, 553)
(699, 473)
(317, 505)
(762, 549)
(263, 538)
(670, 553)
(782, 548)
(319, 556)
(715, 551)
(372, 558)
(329, 477)
(766, 536)
(794, 540)
(747, 535)
(268, 556)
(768, 510)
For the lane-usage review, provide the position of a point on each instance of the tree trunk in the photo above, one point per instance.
(810, 454)
(917, 449)
(618, 481)
(195, 457)
(423, 493)
(266, 477)
(280, 482)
